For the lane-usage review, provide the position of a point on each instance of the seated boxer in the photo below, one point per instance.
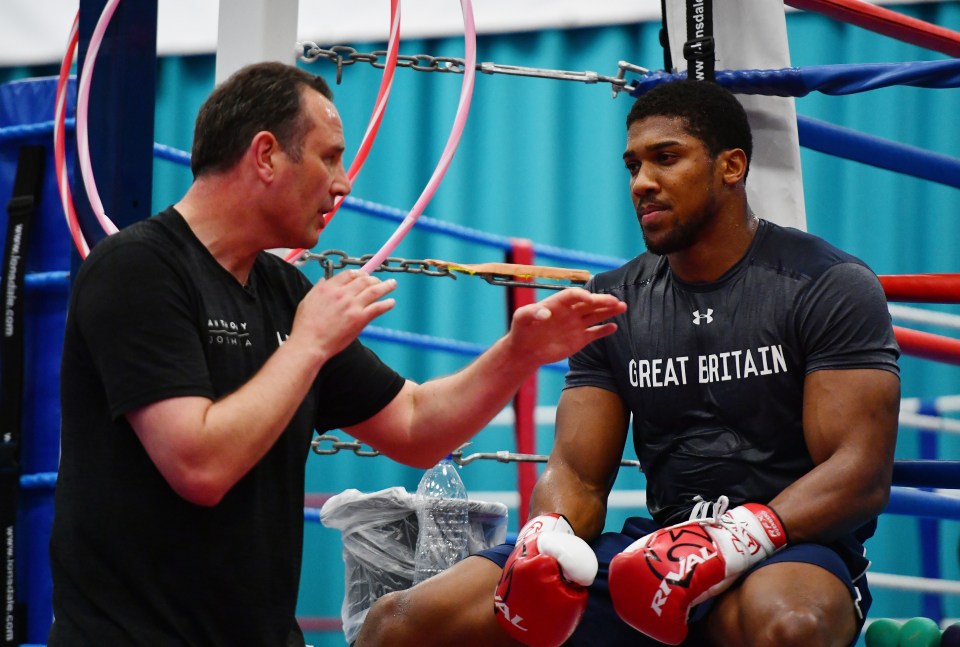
(759, 366)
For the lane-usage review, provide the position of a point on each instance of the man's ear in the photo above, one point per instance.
(263, 151)
(733, 166)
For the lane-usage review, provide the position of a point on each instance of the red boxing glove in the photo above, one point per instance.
(657, 580)
(542, 592)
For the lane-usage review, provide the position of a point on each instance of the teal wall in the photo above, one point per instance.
(541, 159)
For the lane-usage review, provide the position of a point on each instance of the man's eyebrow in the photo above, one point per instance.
(664, 143)
(660, 145)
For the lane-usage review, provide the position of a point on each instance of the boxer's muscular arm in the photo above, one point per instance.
(591, 431)
(850, 426)
(542, 594)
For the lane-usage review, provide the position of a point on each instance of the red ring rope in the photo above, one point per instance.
(928, 346)
(922, 288)
(886, 22)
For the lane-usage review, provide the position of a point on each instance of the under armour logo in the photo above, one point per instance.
(697, 317)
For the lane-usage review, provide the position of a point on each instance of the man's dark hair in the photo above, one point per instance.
(259, 97)
(711, 113)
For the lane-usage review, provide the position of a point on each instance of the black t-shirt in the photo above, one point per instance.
(713, 373)
(152, 316)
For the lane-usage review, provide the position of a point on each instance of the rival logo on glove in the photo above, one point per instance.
(657, 580)
(692, 547)
(501, 606)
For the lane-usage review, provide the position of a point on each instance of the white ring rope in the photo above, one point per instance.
(941, 404)
(930, 423)
(913, 583)
(921, 315)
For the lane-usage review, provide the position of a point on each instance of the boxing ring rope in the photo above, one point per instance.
(926, 288)
(941, 404)
(833, 80)
(874, 151)
(920, 315)
(886, 22)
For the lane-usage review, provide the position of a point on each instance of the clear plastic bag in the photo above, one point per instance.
(379, 532)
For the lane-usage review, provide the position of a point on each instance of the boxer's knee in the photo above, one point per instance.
(388, 623)
(800, 627)
(782, 618)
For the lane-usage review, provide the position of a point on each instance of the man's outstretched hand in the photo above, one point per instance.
(563, 323)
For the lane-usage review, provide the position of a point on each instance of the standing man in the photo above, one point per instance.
(196, 368)
(759, 367)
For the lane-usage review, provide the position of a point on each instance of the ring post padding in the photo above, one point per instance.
(752, 34)
(24, 103)
(525, 402)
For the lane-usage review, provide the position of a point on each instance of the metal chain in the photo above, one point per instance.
(335, 259)
(337, 445)
(391, 264)
(513, 457)
(344, 55)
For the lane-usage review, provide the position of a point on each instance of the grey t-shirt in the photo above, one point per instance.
(713, 373)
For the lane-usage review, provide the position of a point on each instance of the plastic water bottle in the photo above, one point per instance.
(443, 516)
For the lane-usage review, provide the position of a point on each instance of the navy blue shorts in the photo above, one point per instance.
(602, 627)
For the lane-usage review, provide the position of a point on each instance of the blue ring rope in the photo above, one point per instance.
(834, 80)
(927, 473)
(912, 473)
(903, 500)
(417, 340)
(849, 144)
